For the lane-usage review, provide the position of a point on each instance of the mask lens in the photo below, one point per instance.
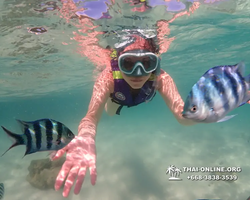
(128, 63)
(149, 62)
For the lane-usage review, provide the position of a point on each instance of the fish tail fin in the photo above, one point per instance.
(18, 139)
(247, 78)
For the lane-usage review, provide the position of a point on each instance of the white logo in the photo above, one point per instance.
(120, 96)
(174, 173)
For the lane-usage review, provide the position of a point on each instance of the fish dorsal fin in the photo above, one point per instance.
(240, 67)
(215, 71)
(22, 124)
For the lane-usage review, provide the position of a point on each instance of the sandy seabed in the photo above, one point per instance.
(133, 166)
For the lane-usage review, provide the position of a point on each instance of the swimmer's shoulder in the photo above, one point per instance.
(107, 79)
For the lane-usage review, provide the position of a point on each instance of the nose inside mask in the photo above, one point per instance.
(138, 71)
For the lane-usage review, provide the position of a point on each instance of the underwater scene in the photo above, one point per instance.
(148, 98)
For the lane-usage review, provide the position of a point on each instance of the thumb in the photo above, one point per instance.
(57, 154)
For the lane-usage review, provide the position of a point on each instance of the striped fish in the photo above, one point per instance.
(220, 90)
(41, 135)
(1, 190)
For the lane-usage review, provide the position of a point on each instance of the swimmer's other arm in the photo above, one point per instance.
(171, 96)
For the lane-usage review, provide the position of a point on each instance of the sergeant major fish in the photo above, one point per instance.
(220, 90)
(41, 135)
(1, 190)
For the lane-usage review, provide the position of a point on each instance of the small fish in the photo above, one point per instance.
(41, 135)
(1, 190)
(220, 90)
(37, 30)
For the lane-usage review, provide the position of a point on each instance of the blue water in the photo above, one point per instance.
(41, 77)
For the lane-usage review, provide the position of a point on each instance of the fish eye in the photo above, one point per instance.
(194, 108)
(70, 134)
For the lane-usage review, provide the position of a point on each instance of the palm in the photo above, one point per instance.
(81, 150)
(81, 154)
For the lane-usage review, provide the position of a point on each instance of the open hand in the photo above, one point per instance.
(81, 154)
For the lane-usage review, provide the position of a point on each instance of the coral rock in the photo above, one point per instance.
(43, 172)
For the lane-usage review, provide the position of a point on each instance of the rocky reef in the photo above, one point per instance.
(43, 172)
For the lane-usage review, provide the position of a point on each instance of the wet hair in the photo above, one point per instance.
(140, 43)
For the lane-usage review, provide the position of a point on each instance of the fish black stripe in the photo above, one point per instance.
(233, 83)
(206, 94)
(59, 131)
(215, 80)
(243, 84)
(29, 139)
(1, 190)
(49, 136)
(38, 135)
(191, 95)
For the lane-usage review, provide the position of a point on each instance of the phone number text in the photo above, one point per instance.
(211, 177)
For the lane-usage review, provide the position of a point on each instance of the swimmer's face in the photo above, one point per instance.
(135, 82)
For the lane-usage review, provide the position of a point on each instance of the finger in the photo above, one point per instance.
(80, 179)
(52, 155)
(62, 174)
(58, 154)
(93, 174)
(70, 180)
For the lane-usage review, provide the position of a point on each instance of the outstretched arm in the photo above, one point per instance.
(171, 96)
(102, 88)
(81, 151)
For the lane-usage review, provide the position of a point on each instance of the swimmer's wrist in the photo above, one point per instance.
(87, 128)
(84, 133)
